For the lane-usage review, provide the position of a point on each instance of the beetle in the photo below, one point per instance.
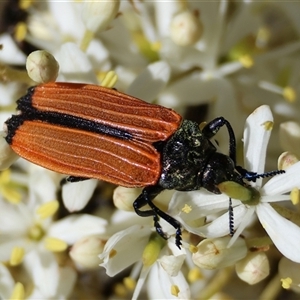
(88, 131)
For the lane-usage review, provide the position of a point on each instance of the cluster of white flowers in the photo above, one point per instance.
(236, 58)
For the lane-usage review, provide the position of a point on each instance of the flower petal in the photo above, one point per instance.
(124, 248)
(256, 138)
(6, 282)
(220, 226)
(150, 82)
(284, 234)
(283, 183)
(164, 284)
(74, 227)
(77, 194)
(44, 271)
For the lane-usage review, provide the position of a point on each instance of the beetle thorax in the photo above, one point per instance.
(184, 157)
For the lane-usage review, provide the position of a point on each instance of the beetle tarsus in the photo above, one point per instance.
(231, 218)
(146, 197)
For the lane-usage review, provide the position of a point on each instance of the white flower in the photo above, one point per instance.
(29, 234)
(136, 245)
(284, 233)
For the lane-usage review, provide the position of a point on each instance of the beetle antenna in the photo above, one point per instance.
(231, 218)
(252, 176)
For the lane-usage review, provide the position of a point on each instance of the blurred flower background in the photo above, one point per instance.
(204, 60)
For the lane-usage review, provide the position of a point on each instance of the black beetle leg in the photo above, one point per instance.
(72, 179)
(214, 126)
(148, 194)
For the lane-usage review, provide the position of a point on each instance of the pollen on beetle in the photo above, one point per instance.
(18, 291)
(286, 282)
(16, 256)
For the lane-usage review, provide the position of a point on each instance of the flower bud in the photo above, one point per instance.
(253, 268)
(286, 160)
(186, 28)
(85, 252)
(97, 14)
(124, 197)
(42, 67)
(213, 253)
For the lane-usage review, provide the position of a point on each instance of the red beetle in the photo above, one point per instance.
(88, 131)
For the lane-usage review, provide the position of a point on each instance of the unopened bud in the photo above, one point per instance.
(286, 160)
(214, 253)
(42, 67)
(85, 252)
(186, 28)
(124, 197)
(253, 268)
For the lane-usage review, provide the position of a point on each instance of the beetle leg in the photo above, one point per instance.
(214, 126)
(148, 194)
(72, 179)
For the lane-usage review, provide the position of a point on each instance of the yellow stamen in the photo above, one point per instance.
(268, 125)
(20, 31)
(55, 245)
(129, 283)
(87, 38)
(193, 249)
(7, 189)
(110, 79)
(18, 292)
(289, 94)
(286, 282)
(48, 209)
(120, 290)
(25, 4)
(145, 47)
(186, 209)
(152, 250)
(175, 290)
(194, 275)
(295, 196)
(246, 60)
(112, 253)
(156, 46)
(16, 256)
